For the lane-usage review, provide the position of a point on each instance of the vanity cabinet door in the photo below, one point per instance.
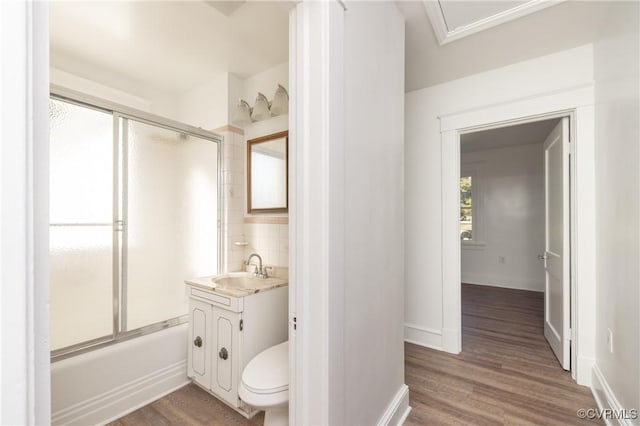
(200, 343)
(226, 354)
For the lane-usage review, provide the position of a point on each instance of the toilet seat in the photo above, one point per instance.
(265, 379)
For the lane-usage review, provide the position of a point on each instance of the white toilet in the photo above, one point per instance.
(265, 384)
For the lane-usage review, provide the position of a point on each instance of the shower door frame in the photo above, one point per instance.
(121, 114)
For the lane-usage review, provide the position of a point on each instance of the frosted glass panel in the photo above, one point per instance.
(81, 164)
(81, 283)
(172, 220)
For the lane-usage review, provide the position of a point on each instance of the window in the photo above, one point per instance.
(133, 212)
(466, 209)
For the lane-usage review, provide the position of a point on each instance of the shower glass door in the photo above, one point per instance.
(133, 213)
(81, 212)
(171, 220)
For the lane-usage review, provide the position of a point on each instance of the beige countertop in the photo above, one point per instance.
(236, 284)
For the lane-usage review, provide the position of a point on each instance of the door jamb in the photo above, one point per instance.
(524, 120)
(578, 104)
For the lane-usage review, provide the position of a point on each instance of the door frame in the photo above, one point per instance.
(578, 103)
(24, 207)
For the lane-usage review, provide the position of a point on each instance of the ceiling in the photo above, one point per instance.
(171, 45)
(177, 45)
(563, 26)
(521, 134)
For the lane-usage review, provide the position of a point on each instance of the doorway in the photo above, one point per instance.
(578, 104)
(514, 251)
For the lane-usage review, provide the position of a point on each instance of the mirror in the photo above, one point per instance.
(267, 174)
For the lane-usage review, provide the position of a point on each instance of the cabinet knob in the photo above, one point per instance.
(198, 342)
(223, 353)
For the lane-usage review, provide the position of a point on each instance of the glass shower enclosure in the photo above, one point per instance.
(134, 210)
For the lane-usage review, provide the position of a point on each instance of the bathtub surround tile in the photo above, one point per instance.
(237, 230)
(239, 152)
(236, 206)
(270, 240)
(226, 178)
(233, 199)
(283, 258)
(284, 232)
(236, 178)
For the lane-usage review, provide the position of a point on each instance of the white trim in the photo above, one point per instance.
(316, 234)
(445, 35)
(576, 101)
(294, 390)
(533, 108)
(583, 321)
(124, 399)
(423, 336)
(24, 295)
(451, 340)
(514, 283)
(584, 371)
(398, 410)
(451, 252)
(606, 399)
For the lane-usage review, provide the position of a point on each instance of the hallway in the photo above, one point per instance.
(506, 373)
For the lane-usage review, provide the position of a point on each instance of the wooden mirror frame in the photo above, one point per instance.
(250, 143)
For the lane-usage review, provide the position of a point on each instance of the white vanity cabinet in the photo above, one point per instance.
(226, 332)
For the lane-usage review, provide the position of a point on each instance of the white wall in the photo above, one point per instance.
(423, 208)
(347, 228)
(508, 203)
(206, 105)
(373, 209)
(148, 100)
(266, 82)
(617, 55)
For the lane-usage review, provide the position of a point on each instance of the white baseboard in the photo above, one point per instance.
(124, 399)
(584, 373)
(606, 399)
(423, 336)
(502, 282)
(398, 411)
(451, 340)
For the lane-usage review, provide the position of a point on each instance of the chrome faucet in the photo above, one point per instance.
(259, 272)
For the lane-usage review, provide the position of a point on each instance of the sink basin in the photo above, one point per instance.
(242, 280)
(237, 281)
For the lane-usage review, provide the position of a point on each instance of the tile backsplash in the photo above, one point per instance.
(270, 241)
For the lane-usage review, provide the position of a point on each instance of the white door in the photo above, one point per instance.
(556, 257)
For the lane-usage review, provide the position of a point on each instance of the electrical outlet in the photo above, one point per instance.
(610, 340)
(502, 259)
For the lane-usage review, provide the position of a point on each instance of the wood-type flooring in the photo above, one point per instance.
(505, 375)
